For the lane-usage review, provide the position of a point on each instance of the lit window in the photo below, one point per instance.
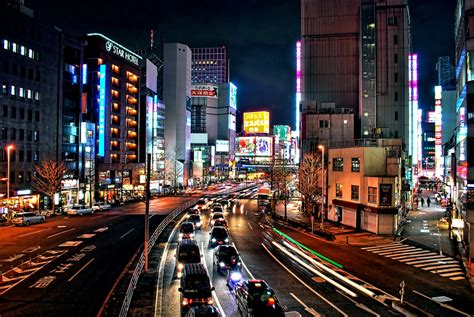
(22, 50)
(372, 195)
(30, 53)
(29, 94)
(338, 164)
(12, 90)
(355, 164)
(4, 89)
(354, 192)
(338, 190)
(21, 92)
(37, 95)
(6, 44)
(14, 47)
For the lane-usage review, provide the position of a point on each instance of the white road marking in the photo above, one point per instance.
(447, 270)
(405, 254)
(416, 257)
(250, 226)
(435, 262)
(425, 259)
(61, 232)
(457, 278)
(34, 232)
(452, 274)
(306, 307)
(306, 285)
(214, 294)
(243, 263)
(127, 233)
(31, 249)
(360, 305)
(80, 270)
(86, 236)
(70, 244)
(439, 267)
(102, 229)
(382, 246)
(441, 304)
(393, 250)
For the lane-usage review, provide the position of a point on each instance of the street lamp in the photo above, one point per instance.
(321, 147)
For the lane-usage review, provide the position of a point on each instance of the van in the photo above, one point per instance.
(195, 287)
(27, 218)
(187, 252)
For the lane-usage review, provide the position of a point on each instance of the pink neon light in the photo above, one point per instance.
(298, 67)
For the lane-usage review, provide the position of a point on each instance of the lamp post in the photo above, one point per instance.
(9, 148)
(321, 147)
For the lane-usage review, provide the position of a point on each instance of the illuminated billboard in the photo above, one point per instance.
(283, 132)
(257, 122)
(222, 146)
(438, 131)
(232, 96)
(102, 80)
(263, 146)
(245, 146)
(204, 91)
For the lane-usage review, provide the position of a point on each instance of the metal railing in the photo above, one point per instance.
(141, 262)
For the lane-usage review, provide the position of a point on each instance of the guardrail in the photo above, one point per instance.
(141, 262)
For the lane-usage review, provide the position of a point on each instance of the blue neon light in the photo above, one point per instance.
(461, 97)
(461, 61)
(102, 81)
(233, 96)
(84, 74)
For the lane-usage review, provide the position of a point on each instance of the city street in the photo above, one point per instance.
(305, 291)
(68, 265)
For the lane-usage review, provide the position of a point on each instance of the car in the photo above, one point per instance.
(226, 203)
(27, 218)
(216, 215)
(201, 204)
(203, 311)
(101, 206)
(186, 252)
(217, 205)
(194, 211)
(256, 298)
(79, 211)
(220, 222)
(195, 287)
(218, 236)
(196, 220)
(186, 231)
(217, 209)
(226, 257)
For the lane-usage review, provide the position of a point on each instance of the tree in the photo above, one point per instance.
(281, 177)
(309, 180)
(47, 178)
(173, 169)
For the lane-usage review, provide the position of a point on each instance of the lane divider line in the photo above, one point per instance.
(30, 233)
(57, 234)
(127, 233)
(80, 270)
(306, 307)
(243, 263)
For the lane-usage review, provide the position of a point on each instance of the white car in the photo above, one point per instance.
(79, 211)
(101, 206)
(27, 218)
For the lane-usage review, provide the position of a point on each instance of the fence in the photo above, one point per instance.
(141, 262)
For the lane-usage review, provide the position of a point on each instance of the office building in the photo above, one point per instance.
(355, 55)
(209, 65)
(112, 88)
(177, 98)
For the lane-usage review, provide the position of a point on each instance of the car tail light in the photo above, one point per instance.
(209, 301)
(271, 301)
(184, 302)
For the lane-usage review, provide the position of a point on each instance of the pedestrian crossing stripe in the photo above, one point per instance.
(420, 258)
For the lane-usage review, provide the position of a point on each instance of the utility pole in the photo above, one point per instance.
(147, 208)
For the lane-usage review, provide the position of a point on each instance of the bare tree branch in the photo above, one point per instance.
(309, 180)
(47, 177)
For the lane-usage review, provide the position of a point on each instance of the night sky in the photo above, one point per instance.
(260, 37)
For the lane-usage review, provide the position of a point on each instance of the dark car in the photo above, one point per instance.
(215, 216)
(201, 204)
(218, 236)
(220, 222)
(196, 220)
(226, 203)
(256, 298)
(194, 211)
(195, 287)
(186, 231)
(226, 257)
(203, 311)
(187, 252)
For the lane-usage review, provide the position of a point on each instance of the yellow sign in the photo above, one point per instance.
(257, 122)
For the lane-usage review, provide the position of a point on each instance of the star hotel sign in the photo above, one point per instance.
(112, 47)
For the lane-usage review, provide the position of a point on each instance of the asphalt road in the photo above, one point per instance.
(67, 265)
(303, 290)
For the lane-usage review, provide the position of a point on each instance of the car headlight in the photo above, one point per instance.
(236, 276)
(213, 240)
(239, 263)
(184, 302)
(180, 235)
(179, 274)
(209, 301)
(212, 222)
(221, 264)
(226, 240)
(199, 224)
(180, 266)
(191, 235)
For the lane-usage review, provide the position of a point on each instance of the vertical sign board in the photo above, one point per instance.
(232, 96)
(385, 195)
(102, 81)
(438, 131)
(298, 96)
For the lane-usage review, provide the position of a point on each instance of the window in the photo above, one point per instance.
(28, 177)
(395, 39)
(36, 136)
(372, 195)
(13, 155)
(4, 89)
(36, 156)
(396, 134)
(6, 44)
(338, 190)
(30, 115)
(395, 97)
(22, 113)
(6, 67)
(37, 95)
(396, 115)
(29, 94)
(21, 92)
(355, 164)
(37, 116)
(395, 58)
(22, 134)
(15, 47)
(13, 134)
(21, 157)
(5, 111)
(30, 53)
(354, 192)
(395, 77)
(22, 50)
(20, 177)
(38, 75)
(28, 156)
(12, 90)
(338, 164)
(29, 135)
(392, 21)
(323, 123)
(14, 69)
(12, 177)
(13, 112)
(4, 133)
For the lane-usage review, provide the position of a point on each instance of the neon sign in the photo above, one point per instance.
(298, 94)
(232, 95)
(102, 74)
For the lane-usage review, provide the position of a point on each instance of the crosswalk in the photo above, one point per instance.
(423, 259)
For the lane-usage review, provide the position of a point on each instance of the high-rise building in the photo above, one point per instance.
(446, 73)
(112, 88)
(209, 65)
(177, 98)
(462, 167)
(355, 55)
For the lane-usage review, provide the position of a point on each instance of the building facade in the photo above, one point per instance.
(365, 185)
(209, 65)
(177, 98)
(355, 55)
(112, 88)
